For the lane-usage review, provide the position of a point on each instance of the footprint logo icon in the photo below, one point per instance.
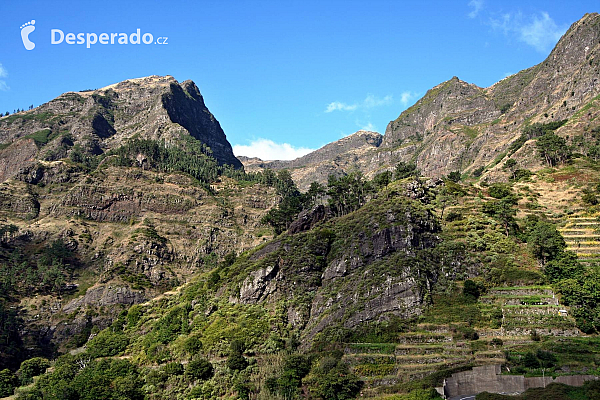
(26, 29)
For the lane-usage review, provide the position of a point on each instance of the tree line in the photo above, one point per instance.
(342, 194)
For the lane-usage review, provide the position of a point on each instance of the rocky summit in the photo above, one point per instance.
(157, 108)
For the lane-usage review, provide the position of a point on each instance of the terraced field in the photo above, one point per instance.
(582, 235)
(432, 347)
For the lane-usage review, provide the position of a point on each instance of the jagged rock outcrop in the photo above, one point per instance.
(106, 296)
(362, 267)
(309, 218)
(154, 107)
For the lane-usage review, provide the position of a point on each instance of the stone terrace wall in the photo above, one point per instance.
(487, 378)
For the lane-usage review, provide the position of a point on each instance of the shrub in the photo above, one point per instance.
(547, 359)
(589, 197)
(295, 368)
(199, 369)
(134, 314)
(466, 332)
(332, 380)
(478, 171)
(404, 170)
(32, 367)
(471, 290)
(382, 179)
(8, 382)
(192, 345)
(499, 190)
(237, 362)
(453, 216)
(107, 344)
(496, 342)
(530, 361)
(173, 368)
(564, 266)
(454, 176)
(496, 317)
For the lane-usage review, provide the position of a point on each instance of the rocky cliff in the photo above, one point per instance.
(120, 232)
(154, 107)
(367, 266)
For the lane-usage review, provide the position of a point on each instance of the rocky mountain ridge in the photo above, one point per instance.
(458, 126)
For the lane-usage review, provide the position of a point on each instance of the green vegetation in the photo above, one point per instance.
(553, 149)
(330, 379)
(405, 170)
(106, 344)
(549, 144)
(41, 138)
(31, 368)
(8, 382)
(454, 176)
(192, 158)
(81, 378)
(345, 194)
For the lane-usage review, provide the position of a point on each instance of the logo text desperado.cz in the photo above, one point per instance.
(57, 36)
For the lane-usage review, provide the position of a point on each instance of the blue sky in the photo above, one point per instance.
(282, 77)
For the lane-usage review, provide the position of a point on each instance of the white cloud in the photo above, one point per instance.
(3, 74)
(407, 97)
(267, 149)
(476, 6)
(538, 31)
(336, 105)
(542, 32)
(502, 23)
(368, 127)
(371, 101)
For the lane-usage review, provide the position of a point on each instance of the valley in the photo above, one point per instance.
(140, 259)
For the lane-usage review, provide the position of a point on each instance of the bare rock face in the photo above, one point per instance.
(459, 126)
(154, 107)
(362, 267)
(308, 219)
(106, 296)
(259, 284)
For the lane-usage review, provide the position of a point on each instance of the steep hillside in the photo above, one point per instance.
(138, 261)
(110, 198)
(424, 280)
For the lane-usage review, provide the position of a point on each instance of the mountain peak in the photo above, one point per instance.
(152, 80)
(153, 107)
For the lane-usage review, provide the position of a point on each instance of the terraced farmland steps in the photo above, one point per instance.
(582, 236)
